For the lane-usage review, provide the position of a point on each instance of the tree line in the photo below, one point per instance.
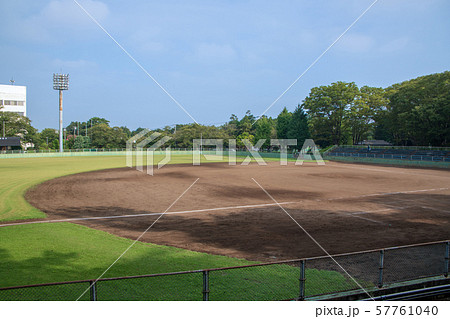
(414, 112)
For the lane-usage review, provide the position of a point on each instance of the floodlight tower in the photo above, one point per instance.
(60, 83)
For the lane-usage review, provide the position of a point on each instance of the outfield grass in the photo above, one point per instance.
(41, 253)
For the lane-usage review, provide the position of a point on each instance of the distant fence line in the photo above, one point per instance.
(299, 279)
(66, 153)
(122, 152)
(391, 156)
(411, 148)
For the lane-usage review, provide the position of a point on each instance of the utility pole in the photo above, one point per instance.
(3, 128)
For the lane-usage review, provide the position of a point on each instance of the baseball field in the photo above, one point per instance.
(71, 218)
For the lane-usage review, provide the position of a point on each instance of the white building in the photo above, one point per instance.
(13, 98)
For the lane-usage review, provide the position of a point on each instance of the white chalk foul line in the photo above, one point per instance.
(388, 193)
(368, 219)
(213, 209)
(142, 215)
(381, 210)
(419, 203)
(366, 212)
(357, 214)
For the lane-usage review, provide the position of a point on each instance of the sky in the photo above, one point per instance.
(214, 58)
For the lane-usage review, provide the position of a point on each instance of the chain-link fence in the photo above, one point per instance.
(401, 162)
(390, 156)
(288, 280)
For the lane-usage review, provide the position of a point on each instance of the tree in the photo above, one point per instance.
(246, 123)
(127, 131)
(80, 128)
(234, 119)
(137, 131)
(19, 125)
(419, 110)
(244, 136)
(81, 142)
(96, 121)
(231, 127)
(73, 128)
(54, 145)
(362, 113)
(283, 122)
(103, 136)
(264, 130)
(327, 107)
(185, 135)
(51, 137)
(298, 127)
(69, 141)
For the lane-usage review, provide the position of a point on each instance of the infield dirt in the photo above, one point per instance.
(344, 207)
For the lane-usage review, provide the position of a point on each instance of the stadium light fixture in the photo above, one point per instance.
(60, 83)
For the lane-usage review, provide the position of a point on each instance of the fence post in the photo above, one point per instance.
(380, 274)
(302, 280)
(205, 285)
(93, 290)
(447, 244)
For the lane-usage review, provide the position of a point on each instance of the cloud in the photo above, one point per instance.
(67, 13)
(58, 17)
(395, 45)
(356, 43)
(152, 46)
(215, 52)
(144, 39)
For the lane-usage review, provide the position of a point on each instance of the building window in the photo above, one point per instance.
(14, 103)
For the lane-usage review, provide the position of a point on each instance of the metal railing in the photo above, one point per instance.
(123, 152)
(287, 280)
(392, 156)
(76, 152)
(398, 147)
